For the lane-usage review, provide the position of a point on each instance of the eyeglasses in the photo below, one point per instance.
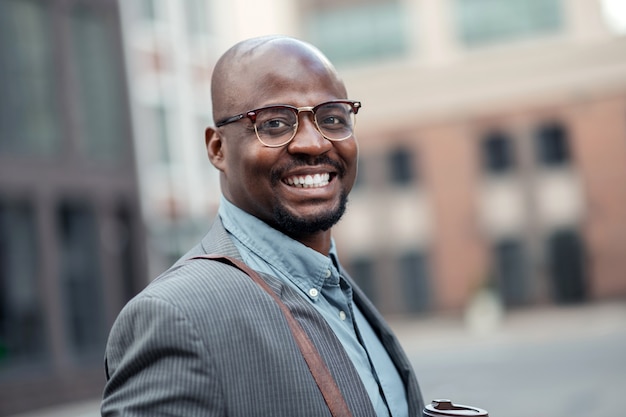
(276, 126)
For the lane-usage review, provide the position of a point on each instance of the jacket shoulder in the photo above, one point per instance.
(202, 280)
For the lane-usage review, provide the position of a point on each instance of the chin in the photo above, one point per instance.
(294, 225)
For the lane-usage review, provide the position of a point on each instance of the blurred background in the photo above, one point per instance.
(489, 215)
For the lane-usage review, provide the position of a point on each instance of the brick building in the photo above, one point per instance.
(493, 146)
(490, 139)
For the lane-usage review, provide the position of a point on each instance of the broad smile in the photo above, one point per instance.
(308, 181)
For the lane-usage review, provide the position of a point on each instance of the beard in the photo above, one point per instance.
(293, 225)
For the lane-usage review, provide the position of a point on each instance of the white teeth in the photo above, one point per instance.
(309, 181)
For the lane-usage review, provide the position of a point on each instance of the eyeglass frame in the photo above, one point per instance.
(251, 114)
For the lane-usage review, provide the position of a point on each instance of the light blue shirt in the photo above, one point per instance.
(316, 277)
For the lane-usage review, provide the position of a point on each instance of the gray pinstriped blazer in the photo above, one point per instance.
(204, 340)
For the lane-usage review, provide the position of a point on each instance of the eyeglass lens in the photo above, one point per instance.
(276, 125)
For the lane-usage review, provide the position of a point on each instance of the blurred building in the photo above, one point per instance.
(171, 48)
(492, 138)
(71, 240)
(492, 141)
(493, 149)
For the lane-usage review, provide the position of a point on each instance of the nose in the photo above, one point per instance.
(308, 139)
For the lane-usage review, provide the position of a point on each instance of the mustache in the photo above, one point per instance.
(307, 161)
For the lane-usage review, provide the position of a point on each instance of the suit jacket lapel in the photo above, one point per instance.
(218, 241)
(393, 347)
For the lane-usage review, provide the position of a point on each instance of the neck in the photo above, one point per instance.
(319, 241)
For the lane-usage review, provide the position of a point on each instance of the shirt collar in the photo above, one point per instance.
(303, 266)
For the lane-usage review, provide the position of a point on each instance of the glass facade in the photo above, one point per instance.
(99, 82)
(125, 240)
(30, 122)
(71, 247)
(196, 17)
(358, 33)
(22, 338)
(482, 22)
(80, 277)
(147, 9)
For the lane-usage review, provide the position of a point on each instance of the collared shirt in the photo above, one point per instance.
(317, 278)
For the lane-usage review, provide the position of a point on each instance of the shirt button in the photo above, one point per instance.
(342, 315)
(327, 273)
(313, 292)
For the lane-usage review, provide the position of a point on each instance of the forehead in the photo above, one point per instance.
(285, 73)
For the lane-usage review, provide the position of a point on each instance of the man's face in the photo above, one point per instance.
(264, 181)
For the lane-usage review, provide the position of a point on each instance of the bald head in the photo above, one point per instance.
(263, 74)
(259, 63)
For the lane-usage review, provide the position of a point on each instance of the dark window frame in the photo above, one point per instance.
(414, 274)
(401, 166)
(498, 153)
(552, 144)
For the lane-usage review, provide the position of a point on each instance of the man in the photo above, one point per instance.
(203, 339)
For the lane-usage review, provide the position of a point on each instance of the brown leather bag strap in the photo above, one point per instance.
(321, 374)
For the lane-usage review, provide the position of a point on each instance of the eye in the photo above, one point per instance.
(274, 127)
(333, 120)
(335, 116)
(275, 121)
(272, 124)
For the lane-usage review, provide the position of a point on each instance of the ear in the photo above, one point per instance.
(214, 147)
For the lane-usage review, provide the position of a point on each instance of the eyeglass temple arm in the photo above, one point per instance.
(230, 120)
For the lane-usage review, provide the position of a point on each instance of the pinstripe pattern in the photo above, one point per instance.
(204, 340)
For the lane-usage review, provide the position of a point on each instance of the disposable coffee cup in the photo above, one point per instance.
(445, 408)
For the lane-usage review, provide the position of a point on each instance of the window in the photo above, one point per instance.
(154, 133)
(400, 162)
(552, 146)
(497, 153)
(359, 32)
(147, 9)
(80, 277)
(481, 22)
(511, 274)
(362, 271)
(567, 265)
(360, 178)
(126, 247)
(158, 117)
(22, 338)
(30, 121)
(413, 268)
(101, 94)
(197, 17)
